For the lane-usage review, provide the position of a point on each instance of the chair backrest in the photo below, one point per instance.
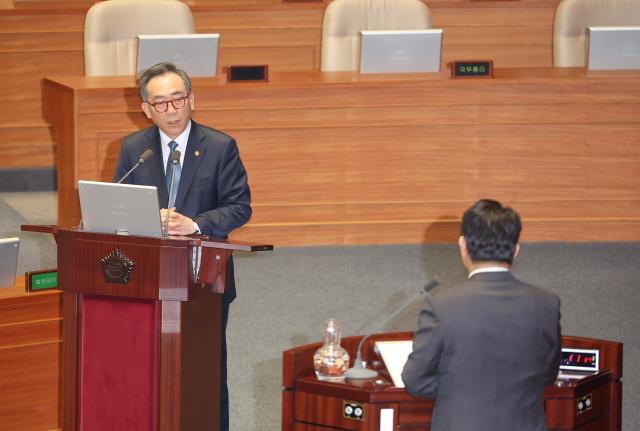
(344, 19)
(111, 27)
(574, 16)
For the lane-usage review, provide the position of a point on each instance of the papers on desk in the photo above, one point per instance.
(395, 354)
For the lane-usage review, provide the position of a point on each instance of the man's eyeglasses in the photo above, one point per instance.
(177, 103)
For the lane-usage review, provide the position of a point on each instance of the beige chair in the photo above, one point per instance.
(111, 27)
(574, 16)
(344, 19)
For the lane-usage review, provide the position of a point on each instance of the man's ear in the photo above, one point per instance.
(462, 244)
(517, 252)
(192, 101)
(464, 253)
(147, 109)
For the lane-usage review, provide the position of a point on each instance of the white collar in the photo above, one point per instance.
(488, 269)
(181, 140)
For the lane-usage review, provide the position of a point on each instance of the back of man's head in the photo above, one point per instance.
(491, 232)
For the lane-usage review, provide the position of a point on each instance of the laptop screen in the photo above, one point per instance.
(119, 208)
(613, 48)
(8, 261)
(400, 51)
(196, 54)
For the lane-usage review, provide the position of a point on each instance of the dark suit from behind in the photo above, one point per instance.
(484, 350)
(213, 191)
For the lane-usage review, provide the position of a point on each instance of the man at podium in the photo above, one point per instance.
(485, 349)
(210, 190)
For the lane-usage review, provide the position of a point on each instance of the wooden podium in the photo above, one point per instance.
(141, 331)
(589, 404)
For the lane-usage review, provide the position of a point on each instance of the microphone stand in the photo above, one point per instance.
(143, 158)
(130, 170)
(359, 369)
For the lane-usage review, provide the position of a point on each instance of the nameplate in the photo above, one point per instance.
(472, 69)
(258, 73)
(41, 280)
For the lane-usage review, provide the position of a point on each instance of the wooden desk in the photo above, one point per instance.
(340, 158)
(30, 339)
(311, 405)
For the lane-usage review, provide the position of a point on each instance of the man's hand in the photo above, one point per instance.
(178, 224)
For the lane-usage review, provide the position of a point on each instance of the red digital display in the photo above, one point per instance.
(579, 359)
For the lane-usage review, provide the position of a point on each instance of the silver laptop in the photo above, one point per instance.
(119, 208)
(196, 54)
(8, 261)
(400, 51)
(613, 48)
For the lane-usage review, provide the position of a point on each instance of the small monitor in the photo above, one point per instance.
(119, 208)
(8, 261)
(401, 51)
(613, 48)
(580, 360)
(196, 54)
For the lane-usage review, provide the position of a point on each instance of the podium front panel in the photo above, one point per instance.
(118, 367)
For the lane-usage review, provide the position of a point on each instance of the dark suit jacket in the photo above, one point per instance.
(213, 188)
(484, 350)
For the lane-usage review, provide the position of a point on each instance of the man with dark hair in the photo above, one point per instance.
(210, 190)
(485, 349)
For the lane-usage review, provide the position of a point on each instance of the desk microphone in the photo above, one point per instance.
(359, 370)
(175, 159)
(143, 158)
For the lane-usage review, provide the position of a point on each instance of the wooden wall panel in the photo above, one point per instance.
(231, 3)
(502, 56)
(481, 36)
(512, 34)
(23, 109)
(44, 38)
(339, 158)
(29, 388)
(249, 18)
(31, 143)
(32, 42)
(52, 20)
(317, 136)
(278, 58)
(29, 359)
(238, 37)
(480, 14)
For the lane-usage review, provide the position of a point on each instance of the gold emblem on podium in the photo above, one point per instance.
(116, 267)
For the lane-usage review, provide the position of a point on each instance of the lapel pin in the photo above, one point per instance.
(196, 153)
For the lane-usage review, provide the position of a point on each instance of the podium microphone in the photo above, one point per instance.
(175, 159)
(143, 158)
(359, 370)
